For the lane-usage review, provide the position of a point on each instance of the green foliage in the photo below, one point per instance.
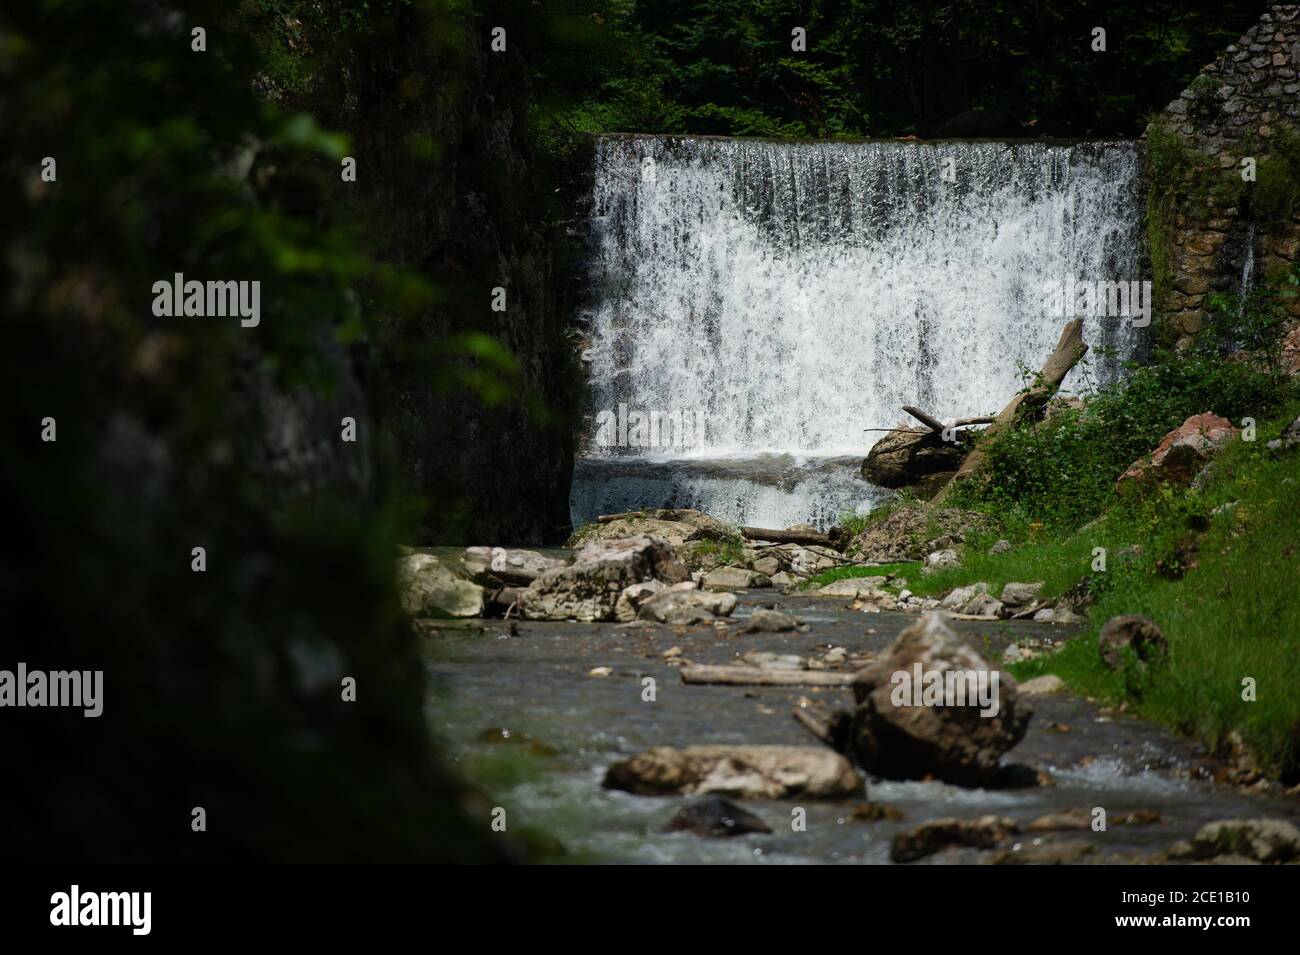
(222, 688)
(1180, 180)
(725, 552)
(1062, 471)
(1276, 195)
(1230, 615)
(1227, 603)
(871, 68)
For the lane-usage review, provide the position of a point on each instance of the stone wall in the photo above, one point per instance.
(1209, 228)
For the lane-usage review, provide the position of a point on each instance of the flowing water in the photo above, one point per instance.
(564, 729)
(773, 300)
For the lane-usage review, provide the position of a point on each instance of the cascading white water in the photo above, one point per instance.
(1247, 264)
(786, 296)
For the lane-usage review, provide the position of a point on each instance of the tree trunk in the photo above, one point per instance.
(1065, 356)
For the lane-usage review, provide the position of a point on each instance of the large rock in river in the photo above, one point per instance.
(429, 588)
(957, 741)
(748, 772)
(687, 607)
(734, 578)
(589, 588)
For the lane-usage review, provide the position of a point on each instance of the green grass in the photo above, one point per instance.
(726, 552)
(1236, 614)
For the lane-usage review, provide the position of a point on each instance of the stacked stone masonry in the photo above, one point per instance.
(1237, 107)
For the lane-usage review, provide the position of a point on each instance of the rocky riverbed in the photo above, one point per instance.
(536, 713)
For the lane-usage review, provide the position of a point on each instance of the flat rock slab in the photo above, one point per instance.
(743, 772)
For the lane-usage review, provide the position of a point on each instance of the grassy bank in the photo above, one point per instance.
(1218, 567)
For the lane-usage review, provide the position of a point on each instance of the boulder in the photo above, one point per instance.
(1021, 595)
(1142, 634)
(1062, 613)
(630, 600)
(867, 588)
(983, 605)
(910, 533)
(684, 608)
(959, 597)
(769, 621)
(431, 589)
(767, 660)
(1181, 453)
(734, 578)
(940, 560)
(1065, 852)
(1290, 438)
(786, 581)
(743, 772)
(987, 832)
(477, 563)
(954, 742)
(1061, 820)
(1258, 840)
(767, 566)
(589, 588)
(1291, 352)
(713, 816)
(520, 565)
(1044, 685)
(675, 525)
(906, 457)
(999, 547)
(806, 561)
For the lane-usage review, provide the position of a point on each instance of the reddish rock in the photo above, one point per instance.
(1291, 352)
(1181, 453)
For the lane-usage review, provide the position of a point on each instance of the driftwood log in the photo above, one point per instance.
(802, 538)
(757, 676)
(1029, 402)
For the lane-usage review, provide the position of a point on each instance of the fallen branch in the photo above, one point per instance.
(1065, 356)
(802, 538)
(611, 518)
(757, 676)
(931, 422)
(780, 548)
(935, 425)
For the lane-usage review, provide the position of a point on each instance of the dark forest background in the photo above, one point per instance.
(931, 68)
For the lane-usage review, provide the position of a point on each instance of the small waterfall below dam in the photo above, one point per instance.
(754, 306)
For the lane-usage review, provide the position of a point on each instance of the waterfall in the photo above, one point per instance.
(1247, 264)
(769, 301)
